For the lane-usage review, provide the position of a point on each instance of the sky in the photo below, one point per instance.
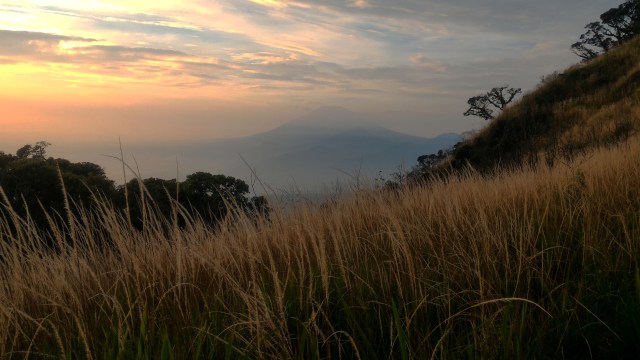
(86, 72)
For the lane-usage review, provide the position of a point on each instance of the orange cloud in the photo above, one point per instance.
(270, 3)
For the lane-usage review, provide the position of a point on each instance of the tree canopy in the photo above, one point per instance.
(33, 187)
(484, 106)
(36, 151)
(32, 184)
(616, 25)
(202, 195)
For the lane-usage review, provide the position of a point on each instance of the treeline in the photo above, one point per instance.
(33, 186)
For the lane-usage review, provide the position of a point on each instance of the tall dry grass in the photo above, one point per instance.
(586, 106)
(533, 262)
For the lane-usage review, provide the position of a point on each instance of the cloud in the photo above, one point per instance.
(270, 3)
(124, 53)
(424, 62)
(25, 43)
(8, 36)
(24, 46)
(361, 4)
(159, 21)
(301, 51)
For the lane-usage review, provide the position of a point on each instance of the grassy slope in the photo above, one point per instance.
(588, 105)
(536, 262)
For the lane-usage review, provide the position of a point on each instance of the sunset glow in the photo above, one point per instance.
(249, 65)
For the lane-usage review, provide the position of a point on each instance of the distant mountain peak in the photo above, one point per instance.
(332, 117)
(331, 111)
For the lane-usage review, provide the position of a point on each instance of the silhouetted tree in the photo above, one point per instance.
(6, 160)
(204, 195)
(32, 184)
(37, 151)
(157, 194)
(616, 26)
(24, 152)
(33, 188)
(432, 160)
(212, 196)
(498, 98)
(258, 206)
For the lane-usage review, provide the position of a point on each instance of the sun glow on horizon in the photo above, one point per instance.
(115, 60)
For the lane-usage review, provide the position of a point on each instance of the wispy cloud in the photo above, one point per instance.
(15, 44)
(360, 53)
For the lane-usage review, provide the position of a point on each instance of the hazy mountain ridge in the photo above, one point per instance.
(317, 149)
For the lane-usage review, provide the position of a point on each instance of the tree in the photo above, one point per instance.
(158, 195)
(430, 161)
(212, 195)
(24, 152)
(617, 25)
(6, 160)
(498, 98)
(33, 188)
(203, 195)
(258, 206)
(37, 151)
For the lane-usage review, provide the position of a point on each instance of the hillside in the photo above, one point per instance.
(538, 260)
(586, 106)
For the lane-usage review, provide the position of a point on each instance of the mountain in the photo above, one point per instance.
(317, 149)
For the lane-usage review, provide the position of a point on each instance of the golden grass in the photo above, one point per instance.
(586, 106)
(509, 265)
